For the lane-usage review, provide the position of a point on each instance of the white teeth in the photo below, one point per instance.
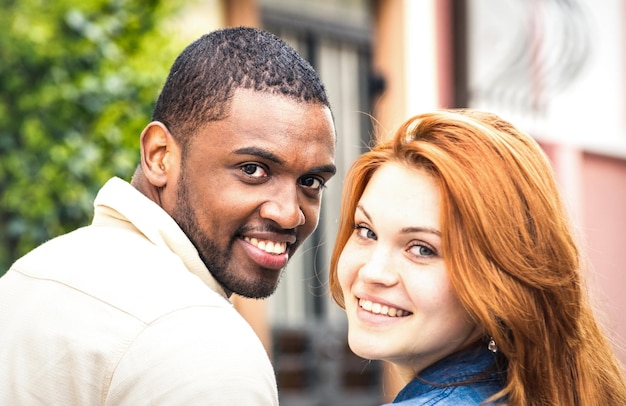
(271, 247)
(377, 308)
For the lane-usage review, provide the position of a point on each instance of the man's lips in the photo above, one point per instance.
(267, 254)
(382, 309)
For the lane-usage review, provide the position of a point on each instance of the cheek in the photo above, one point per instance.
(346, 269)
(451, 305)
(430, 289)
(311, 215)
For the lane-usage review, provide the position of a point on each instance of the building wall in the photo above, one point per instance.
(603, 185)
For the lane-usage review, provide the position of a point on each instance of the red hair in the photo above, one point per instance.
(509, 251)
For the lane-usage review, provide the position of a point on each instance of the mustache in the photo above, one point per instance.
(267, 228)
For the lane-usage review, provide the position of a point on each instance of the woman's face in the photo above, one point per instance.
(398, 298)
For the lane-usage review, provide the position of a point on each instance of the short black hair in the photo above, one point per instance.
(203, 78)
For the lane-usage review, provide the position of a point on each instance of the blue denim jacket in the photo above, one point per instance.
(468, 365)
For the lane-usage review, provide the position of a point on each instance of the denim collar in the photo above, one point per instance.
(476, 364)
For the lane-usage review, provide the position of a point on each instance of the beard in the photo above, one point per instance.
(218, 261)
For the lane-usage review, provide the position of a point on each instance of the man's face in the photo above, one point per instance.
(250, 188)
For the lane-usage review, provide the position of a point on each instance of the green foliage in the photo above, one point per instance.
(78, 80)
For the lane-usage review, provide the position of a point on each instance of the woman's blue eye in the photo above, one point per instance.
(365, 232)
(422, 250)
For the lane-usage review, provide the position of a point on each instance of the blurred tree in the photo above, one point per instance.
(78, 80)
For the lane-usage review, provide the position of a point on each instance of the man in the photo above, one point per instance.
(134, 308)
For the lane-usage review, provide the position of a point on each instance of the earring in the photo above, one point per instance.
(492, 346)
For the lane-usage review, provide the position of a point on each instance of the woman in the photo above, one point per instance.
(455, 261)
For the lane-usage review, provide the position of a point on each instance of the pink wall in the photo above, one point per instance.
(604, 226)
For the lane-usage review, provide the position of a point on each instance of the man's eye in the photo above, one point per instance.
(312, 182)
(254, 170)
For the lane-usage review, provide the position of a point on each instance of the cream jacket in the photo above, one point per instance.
(124, 312)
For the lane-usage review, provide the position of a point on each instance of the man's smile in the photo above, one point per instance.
(271, 247)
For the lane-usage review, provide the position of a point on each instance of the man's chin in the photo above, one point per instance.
(257, 288)
(255, 292)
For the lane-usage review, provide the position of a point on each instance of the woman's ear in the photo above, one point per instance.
(158, 150)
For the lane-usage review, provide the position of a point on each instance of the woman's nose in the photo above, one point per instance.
(379, 268)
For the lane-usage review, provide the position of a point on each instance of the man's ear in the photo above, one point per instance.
(158, 153)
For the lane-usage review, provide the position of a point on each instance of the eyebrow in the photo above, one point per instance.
(261, 153)
(421, 230)
(406, 230)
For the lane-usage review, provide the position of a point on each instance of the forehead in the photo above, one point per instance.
(277, 123)
(404, 194)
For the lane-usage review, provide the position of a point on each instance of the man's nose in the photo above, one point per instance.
(284, 208)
